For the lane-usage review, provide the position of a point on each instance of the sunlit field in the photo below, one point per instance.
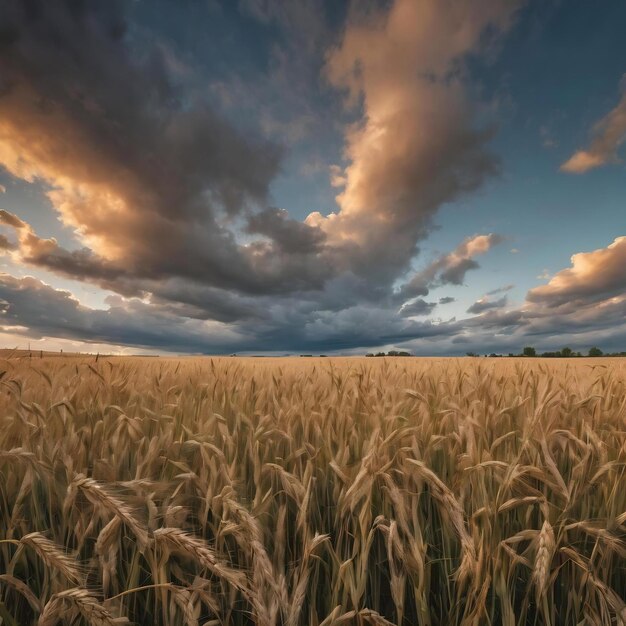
(312, 491)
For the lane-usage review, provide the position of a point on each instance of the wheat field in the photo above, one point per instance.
(312, 491)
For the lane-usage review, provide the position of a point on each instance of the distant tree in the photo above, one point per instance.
(471, 354)
(529, 351)
(567, 352)
(595, 351)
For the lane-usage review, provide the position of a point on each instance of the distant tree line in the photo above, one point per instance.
(566, 353)
(528, 351)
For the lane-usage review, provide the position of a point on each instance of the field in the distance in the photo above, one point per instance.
(312, 491)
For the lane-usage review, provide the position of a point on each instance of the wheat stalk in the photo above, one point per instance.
(77, 601)
(492, 491)
(53, 556)
(177, 540)
(543, 558)
(101, 497)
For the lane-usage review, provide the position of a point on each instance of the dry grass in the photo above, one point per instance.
(312, 491)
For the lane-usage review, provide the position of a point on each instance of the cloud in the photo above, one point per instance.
(80, 264)
(582, 305)
(450, 268)
(593, 276)
(485, 304)
(40, 310)
(9, 219)
(502, 289)
(242, 323)
(447, 300)
(417, 145)
(291, 236)
(417, 307)
(607, 136)
(148, 181)
(300, 33)
(5, 244)
(314, 320)
(169, 200)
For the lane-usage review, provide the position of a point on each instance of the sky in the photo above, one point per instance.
(270, 177)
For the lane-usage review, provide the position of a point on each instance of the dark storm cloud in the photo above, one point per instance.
(146, 177)
(45, 311)
(169, 202)
(188, 299)
(291, 236)
(300, 34)
(417, 307)
(497, 320)
(37, 309)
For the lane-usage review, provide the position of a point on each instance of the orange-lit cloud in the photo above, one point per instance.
(169, 202)
(593, 276)
(608, 134)
(144, 181)
(417, 144)
(152, 188)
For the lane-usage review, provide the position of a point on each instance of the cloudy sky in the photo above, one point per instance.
(206, 176)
